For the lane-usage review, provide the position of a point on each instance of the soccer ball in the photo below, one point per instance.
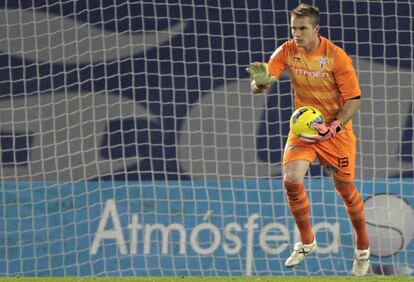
(301, 121)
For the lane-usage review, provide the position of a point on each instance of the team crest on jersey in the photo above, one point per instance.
(322, 61)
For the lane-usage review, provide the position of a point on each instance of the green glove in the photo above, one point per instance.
(259, 73)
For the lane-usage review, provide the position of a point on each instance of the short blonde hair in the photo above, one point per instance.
(305, 10)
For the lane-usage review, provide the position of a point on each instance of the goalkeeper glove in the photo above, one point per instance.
(325, 132)
(259, 73)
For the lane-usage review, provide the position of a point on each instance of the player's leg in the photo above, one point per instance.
(294, 173)
(355, 209)
(338, 155)
(296, 162)
(293, 178)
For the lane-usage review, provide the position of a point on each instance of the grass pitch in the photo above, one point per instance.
(213, 279)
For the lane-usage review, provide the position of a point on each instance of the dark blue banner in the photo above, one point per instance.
(163, 65)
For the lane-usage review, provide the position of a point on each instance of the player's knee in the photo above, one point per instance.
(295, 171)
(343, 186)
(293, 176)
(348, 193)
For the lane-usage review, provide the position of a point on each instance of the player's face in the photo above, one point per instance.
(304, 33)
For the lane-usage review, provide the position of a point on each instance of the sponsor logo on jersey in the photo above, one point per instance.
(306, 72)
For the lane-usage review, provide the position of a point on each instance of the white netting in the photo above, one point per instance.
(130, 143)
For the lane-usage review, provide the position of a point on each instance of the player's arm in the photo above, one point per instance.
(348, 86)
(350, 107)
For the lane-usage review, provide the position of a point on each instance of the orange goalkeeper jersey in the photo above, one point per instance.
(323, 78)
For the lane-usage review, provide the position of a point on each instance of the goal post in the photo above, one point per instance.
(130, 144)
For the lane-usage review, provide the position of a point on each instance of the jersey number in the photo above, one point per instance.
(343, 162)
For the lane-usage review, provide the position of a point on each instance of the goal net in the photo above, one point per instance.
(130, 143)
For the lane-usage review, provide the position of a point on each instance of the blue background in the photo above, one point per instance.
(50, 231)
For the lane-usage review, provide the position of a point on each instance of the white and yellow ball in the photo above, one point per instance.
(302, 119)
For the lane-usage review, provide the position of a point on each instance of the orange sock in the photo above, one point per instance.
(355, 208)
(300, 208)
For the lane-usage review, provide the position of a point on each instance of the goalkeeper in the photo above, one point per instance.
(322, 76)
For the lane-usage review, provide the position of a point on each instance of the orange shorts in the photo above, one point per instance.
(337, 154)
